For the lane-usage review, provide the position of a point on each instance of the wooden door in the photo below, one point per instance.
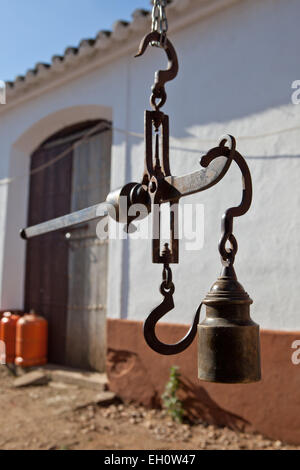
(86, 325)
(46, 284)
(66, 278)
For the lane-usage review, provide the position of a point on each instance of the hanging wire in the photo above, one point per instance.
(59, 157)
(93, 130)
(198, 140)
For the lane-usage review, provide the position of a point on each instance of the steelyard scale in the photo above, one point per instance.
(228, 340)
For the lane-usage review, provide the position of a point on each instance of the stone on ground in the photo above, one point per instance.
(31, 378)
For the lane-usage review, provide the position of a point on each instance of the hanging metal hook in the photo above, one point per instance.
(156, 314)
(161, 76)
(167, 288)
(227, 218)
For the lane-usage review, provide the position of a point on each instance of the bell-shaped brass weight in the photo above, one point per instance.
(228, 340)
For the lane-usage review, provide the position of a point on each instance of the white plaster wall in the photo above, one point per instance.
(236, 70)
(236, 73)
(23, 128)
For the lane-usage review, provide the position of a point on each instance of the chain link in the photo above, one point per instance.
(159, 20)
(167, 276)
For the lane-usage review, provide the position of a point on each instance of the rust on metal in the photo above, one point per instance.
(228, 338)
(162, 76)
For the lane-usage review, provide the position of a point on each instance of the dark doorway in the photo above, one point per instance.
(50, 258)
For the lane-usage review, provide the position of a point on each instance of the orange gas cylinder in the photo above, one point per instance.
(31, 341)
(8, 335)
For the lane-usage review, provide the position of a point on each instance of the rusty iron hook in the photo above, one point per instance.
(156, 314)
(167, 288)
(241, 209)
(161, 76)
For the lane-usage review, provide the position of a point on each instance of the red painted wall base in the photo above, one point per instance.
(270, 407)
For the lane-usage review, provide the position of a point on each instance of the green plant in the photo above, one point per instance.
(171, 402)
(64, 447)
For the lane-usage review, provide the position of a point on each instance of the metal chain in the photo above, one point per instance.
(160, 21)
(159, 17)
(167, 284)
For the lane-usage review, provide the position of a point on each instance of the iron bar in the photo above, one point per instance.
(66, 221)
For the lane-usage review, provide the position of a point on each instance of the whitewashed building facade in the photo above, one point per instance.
(238, 60)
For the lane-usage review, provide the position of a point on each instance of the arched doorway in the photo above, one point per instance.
(66, 277)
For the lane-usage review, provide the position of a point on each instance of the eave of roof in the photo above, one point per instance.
(107, 46)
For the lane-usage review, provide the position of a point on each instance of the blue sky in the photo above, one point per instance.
(33, 31)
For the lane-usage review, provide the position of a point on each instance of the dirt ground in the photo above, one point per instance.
(58, 416)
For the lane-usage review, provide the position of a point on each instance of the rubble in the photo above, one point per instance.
(74, 417)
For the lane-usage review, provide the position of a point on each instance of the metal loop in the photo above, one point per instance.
(228, 255)
(228, 139)
(158, 95)
(167, 276)
(167, 289)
